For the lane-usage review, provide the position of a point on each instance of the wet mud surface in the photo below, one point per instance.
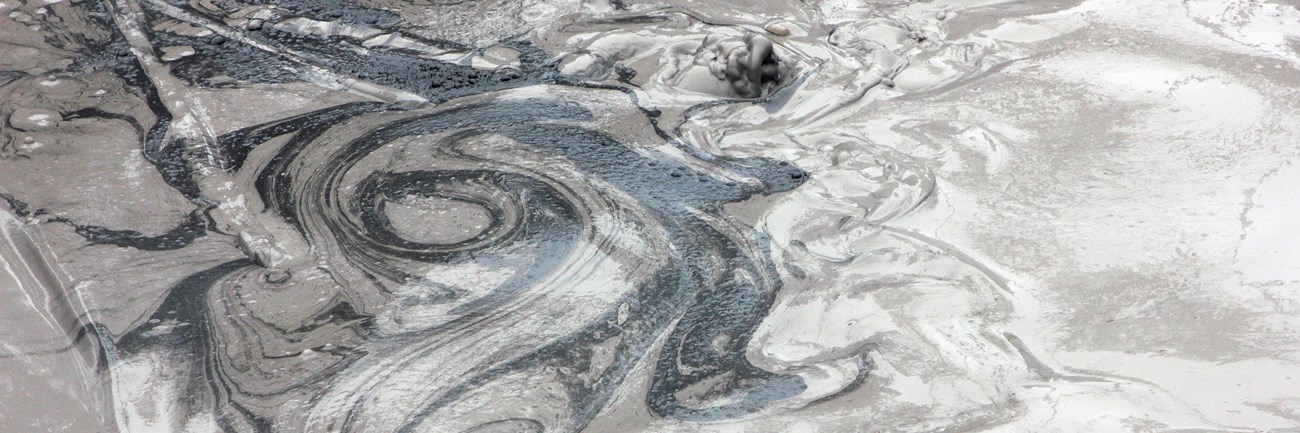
(626, 216)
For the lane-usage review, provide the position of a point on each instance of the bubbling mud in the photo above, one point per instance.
(382, 216)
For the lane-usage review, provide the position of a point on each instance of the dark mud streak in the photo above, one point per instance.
(88, 113)
(187, 303)
(236, 145)
(865, 366)
(115, 55)
(194, 227)
(19, 207)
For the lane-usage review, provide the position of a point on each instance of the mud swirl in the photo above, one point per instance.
(557, 259)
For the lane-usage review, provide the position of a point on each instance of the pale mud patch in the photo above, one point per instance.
(452, 221)
(1122, 209)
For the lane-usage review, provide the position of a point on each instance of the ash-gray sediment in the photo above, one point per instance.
(454, 216)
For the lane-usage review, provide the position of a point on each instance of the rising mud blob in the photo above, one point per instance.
(626, 216)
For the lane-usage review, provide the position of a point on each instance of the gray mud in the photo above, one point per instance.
(627, 216)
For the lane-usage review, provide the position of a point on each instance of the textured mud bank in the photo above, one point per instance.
(625, 216)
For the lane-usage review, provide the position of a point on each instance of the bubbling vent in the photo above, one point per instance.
(752, 71)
